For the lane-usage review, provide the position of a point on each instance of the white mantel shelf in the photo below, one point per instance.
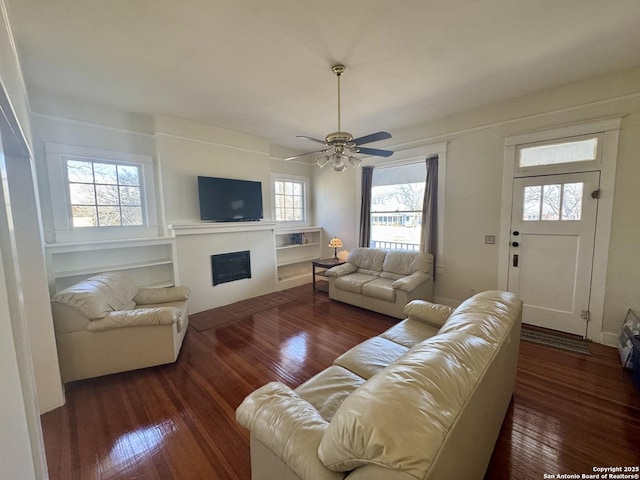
(204, 228)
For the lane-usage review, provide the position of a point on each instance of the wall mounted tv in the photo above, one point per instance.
(229, 200)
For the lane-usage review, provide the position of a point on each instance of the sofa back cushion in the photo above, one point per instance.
(368, 259)
(97, 296)
(398, 263)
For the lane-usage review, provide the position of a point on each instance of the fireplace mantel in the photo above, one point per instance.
(206, 228)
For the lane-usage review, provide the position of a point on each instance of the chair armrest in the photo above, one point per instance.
(136, 317)
(340, 270)
(427, 312)
(410, 282)
(288, 426)
(149, 296)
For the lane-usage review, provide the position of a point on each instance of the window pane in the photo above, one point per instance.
(289, 201)
(82, 194)
(572, 201)
(130, 195)
(288, 188)
(394, 190)
(107, 195)
(78, 171)
(297, 189)
(279, 187)
(105, 173)
(567, 152)
(84, 216)
(131, 215)
(109, 216)
(551, 202)
(531, 203)
(128, 175)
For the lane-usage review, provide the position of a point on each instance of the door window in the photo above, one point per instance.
(562, 201)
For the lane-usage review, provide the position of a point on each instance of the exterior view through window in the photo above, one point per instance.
(397, 195)
(104, 194)
(289, 196)
(552, 202)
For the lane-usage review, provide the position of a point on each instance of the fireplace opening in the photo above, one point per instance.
(228, 267)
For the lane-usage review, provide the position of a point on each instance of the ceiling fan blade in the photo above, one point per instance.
(312, 139)
(374, 151)
(373, 137)
(303, 154)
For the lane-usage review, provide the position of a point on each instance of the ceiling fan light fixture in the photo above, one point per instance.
(354, 161)
(323, 160)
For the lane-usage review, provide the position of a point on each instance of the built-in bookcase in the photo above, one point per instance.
(296, 248)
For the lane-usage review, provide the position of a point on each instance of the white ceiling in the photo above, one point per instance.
(263, 66)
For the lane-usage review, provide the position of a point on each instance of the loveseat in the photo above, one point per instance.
(382, 280)
(106, 324)
(423, 400)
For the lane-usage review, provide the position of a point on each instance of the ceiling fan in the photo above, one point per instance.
(341, 146)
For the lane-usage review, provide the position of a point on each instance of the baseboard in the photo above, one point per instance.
(610, 339)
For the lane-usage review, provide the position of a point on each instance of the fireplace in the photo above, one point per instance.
(228, 267)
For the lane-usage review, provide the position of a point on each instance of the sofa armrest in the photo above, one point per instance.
(410, 282)
(290, 427)
(340, 270)
(136, 318)
(427, 312)
(148, 296)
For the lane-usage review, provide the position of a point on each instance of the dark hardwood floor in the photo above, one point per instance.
(570, 413)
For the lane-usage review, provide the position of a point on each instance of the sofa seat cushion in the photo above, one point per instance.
(327, 390)
(371, 356)
(380, 288)
(409, 332)
(353, 282)
(436, 378)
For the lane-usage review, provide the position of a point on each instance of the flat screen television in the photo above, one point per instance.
(229, 200)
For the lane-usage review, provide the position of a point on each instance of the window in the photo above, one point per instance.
(397, 195)
(553, 202)
(103, 194)
(290, 199)
(99, 194)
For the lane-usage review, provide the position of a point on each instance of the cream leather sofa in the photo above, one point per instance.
(423, 400)
(106, 324)
(382, 281)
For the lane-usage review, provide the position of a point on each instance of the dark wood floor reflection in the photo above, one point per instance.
(569, 412)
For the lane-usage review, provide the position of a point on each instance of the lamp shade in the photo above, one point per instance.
(335, 242)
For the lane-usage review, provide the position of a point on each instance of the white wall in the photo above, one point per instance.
(21, 444)
(474, 175)
(29, 244)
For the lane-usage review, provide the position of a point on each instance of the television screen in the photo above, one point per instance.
(229, 200)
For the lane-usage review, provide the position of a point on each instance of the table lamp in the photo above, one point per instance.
(335, 243)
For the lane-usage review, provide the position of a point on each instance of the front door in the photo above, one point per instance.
(551, 251)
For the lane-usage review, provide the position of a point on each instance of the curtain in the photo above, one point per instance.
(429, 237)
(365, 210)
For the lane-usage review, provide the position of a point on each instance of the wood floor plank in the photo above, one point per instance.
(569, 412)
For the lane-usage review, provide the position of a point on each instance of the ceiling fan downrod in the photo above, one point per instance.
(338, 70)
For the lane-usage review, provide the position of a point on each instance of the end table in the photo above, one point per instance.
(323, 265)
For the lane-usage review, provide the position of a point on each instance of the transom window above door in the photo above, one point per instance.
(559, 156)
(556, 202)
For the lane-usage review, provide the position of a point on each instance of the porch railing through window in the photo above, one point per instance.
(384, 245)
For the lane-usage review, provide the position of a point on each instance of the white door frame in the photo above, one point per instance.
(610, 128)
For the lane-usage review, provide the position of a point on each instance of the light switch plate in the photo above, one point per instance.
(490, 239)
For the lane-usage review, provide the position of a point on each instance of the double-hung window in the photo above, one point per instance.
(397, 195)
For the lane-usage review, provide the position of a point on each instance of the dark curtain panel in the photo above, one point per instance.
(365, 211)
(429, 238)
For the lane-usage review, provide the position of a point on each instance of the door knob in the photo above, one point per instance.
(515, 244)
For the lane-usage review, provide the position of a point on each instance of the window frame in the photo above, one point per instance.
(282, 177)
(64, 231)
(413, 155)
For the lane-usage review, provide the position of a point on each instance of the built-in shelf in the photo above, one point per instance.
(149, 261)
(296, 248)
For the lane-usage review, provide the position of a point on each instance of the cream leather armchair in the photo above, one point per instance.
(106, 324)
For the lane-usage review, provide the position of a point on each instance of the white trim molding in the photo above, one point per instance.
(609, 129)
